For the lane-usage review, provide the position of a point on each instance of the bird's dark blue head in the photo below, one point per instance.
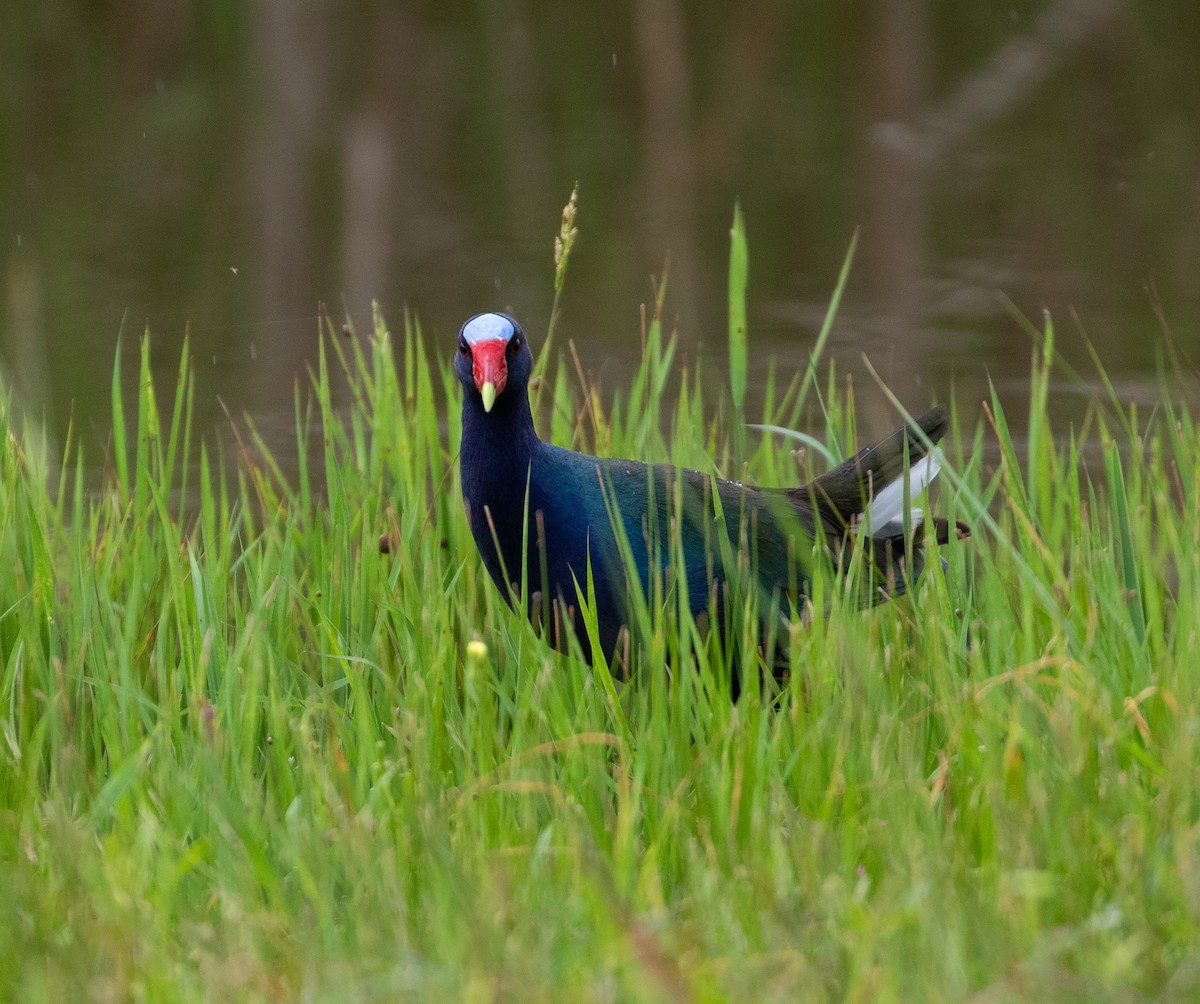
(492, 355)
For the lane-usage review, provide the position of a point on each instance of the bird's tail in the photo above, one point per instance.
(845, 493)
(871, 487)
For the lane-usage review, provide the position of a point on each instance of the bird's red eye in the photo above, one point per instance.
(515, 345)
(464, 349)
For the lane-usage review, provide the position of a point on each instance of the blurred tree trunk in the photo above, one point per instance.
(291, 53)
(895, 235)
(670, 179)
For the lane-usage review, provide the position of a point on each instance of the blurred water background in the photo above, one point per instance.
(222, 169)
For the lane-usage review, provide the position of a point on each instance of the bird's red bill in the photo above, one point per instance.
(489, 365)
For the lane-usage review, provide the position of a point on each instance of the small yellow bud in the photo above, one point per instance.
(476, 650)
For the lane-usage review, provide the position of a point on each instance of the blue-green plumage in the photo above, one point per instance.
(545, 512)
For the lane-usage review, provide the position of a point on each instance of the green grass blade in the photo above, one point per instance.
(739, 269)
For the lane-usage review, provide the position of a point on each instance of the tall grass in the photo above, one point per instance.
(249, 753)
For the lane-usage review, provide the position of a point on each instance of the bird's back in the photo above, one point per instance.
(624, 520)
(695, 531)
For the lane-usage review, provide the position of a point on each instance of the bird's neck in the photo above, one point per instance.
(497, 450)
(499, 444)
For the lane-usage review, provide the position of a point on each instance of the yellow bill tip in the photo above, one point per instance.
(488, 393)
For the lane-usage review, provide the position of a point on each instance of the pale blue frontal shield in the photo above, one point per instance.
(488, 328)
